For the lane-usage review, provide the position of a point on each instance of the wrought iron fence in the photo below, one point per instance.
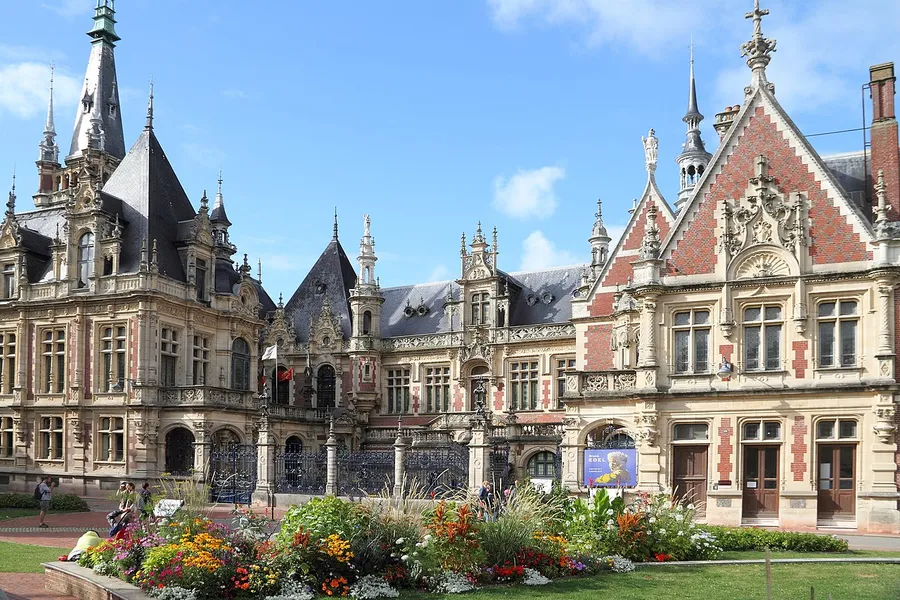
(300, 472)
(364, 471)
(438, 470)
(232, 473)
(499, 467)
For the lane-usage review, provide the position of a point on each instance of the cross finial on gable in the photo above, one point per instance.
(757, 50)
(757, 14)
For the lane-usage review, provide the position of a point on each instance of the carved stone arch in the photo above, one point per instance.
(225, 435)
(760, 262)
(622, 426)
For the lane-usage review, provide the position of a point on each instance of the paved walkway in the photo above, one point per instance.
(27, 586)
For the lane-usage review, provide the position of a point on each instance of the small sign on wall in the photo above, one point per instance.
(610, 467)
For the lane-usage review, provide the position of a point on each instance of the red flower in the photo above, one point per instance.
(662, 557)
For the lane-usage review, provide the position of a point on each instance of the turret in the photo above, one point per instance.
(219, 222)
(599, 242)
(694, 158)
(365, 297)
(48, 156)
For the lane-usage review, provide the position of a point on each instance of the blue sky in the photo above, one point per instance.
(430, 115)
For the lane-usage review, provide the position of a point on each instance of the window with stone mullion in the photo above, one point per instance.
(112, 439)
(398, 391)
(6, 437)
(51, 438)
(201, 359)
(437, 389)
(762, 338)
(523, 385)
(168, 349)
(53, 355)
(113, 339)
(837, 329)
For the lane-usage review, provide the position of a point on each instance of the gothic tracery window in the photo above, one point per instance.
(240, 364)
(85, 259)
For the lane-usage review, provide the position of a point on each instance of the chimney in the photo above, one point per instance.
(724, 120)
(883, 135)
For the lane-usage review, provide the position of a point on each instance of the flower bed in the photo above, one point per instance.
(330, 547)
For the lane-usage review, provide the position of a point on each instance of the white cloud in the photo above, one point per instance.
(644, 25)
(538, 252)
(528, 193)
(24, 89)
(234, 93)
(439, 273)
(69, 8)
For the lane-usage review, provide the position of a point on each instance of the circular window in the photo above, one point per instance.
(422, 310)
(326, 340)
(531, 300)
(409, 311)
(547, 298)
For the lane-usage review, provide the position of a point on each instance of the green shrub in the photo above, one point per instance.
(67, 502)
(320, 517)
(751, 538)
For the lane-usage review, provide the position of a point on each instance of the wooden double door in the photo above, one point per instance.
(689, 475)
(836, 479)
(761, 481)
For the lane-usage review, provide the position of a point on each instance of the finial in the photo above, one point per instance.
(462, 244)
(154, 257)
(259, 270)
(11, 202)
(400, 425)
(494, 240)
(50, 126)
(143, 254)
(650, 244)
(204, 202)
(335, 236)
(651, 151)
(149, 124)
(881, 206)
(280, 300)
(757, 50)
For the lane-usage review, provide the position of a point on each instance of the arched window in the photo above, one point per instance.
(479, 383)
(542, 465)
(610, 436)
(367, 322)
(281, 385)
(293, 444)
(85, 259)
(240, 364)
(325, 387)
(179, 452)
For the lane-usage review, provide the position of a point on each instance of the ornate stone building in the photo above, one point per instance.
(742, 346)
(129, 337)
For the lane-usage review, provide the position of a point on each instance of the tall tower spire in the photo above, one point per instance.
(49, 151)
(100, 94)
(367, 256)
(219, 222)
(11, 201)
(149, 124)
(599, 242)
(694, 158)
(335, 235)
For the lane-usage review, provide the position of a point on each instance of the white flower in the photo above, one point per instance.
(609, 511)
(679, 517)
(372, 586)
(427, 537)
(400, 540)
(610, 522)
(690, 507)
(451, 583)
(405, 557)
(662, 532)
(653, 519)
(533, 577)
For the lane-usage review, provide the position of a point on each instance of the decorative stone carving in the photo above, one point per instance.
(651, 150)
(325, 331)
(624, 381)
(596, 382)
(766, 217)
(884, 427)
(763, 264)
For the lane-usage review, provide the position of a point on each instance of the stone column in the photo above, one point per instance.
(885, 352)
(331, 469)
(648, 332)
(399, 464)
(648, 452)
(265, 463)
(202, 449)
(877, 500)
(571, 454)
(479, 454)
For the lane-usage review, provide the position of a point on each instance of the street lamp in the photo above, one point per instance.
(726, 369)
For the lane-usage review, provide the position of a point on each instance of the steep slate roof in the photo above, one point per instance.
(536, 297)
(334, 271)
(849, 169)
(153, 202)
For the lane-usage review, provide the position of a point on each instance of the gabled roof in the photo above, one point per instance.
(330, 277)
(690, 247)
(153, 203)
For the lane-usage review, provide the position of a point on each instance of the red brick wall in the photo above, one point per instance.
(833, 238)
(602, 304)
(457, 398)
(896, 332)
(545, 400)
(726, 449)
(498, 399)
(415, 398)
(597, 353)
(800, 363)
(798, 448)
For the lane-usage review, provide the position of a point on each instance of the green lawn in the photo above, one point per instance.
(23, 558)
(13, 513)
(719, 582)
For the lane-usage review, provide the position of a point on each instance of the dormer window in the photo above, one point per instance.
(200, 278)
(85, 259)
(9, 281)
(480, 308)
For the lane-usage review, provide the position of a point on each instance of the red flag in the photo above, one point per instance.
(262, 381)
(286, 375)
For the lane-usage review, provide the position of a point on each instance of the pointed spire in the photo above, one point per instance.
(218, 214)
(462, 244)
(259, 270)
(143, 266)
(219, 198)
(693, 113)
(49, 151)
(335, 235)
(758, 49)
(148, 126)
(694, 158)
(204, 203)
(154, 258)
(280, 300)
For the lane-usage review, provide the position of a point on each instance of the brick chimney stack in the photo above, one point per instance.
(725, 119)
(885, 152)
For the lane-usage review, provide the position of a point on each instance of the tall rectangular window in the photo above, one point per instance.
(200, 277)
(53, 357)
(762, 338)
(523, 385)
(201, 359)
(838, 321)
(113, 339)
(6, 437)
(7, 362)
(691, 341)
(562, 365)
(168, 356)
(112, 439)
(51, 438)
(9, 281)
(398, 390)
(481, 308)
(437, 389)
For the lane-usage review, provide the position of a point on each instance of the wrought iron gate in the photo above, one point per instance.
(364, 471)
(438, 470)
(232, 473)
(300, 472)
(499, 468)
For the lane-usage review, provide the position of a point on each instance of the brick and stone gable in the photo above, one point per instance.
(836, 232)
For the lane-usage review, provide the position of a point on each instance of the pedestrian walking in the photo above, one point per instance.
(45, 490)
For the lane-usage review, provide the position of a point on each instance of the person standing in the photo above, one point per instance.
(46, 490)
(143, 501)
(486, 499)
